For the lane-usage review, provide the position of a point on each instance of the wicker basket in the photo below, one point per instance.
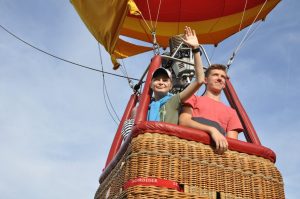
(195, 167)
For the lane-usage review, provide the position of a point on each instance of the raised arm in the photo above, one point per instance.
(191, 39)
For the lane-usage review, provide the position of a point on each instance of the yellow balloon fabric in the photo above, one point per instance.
(213, 20)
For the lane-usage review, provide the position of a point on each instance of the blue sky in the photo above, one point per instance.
(55, 131)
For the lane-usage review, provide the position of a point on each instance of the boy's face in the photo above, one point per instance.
(161, 84)
(215, 81)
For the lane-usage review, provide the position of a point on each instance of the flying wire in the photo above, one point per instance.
(158, 11)
(212, 53)
(251, 33)
(62, 59)
(105, 93)
(242, 19)
(124, 71)
(145, 23)
(231, 59)
(243, 40)
(150, 15)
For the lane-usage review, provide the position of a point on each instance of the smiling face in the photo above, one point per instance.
(161, 85)
(215, 80)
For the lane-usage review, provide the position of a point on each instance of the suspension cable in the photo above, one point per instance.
(231, 59)
(124, 71)
(105, 93)
(105, 102)
(146, 22)
(238, 48)
(242, 19)
(212, 53)
(251, 33)
(62, 59)
(150, 15)
(158, 11)
(152, 29)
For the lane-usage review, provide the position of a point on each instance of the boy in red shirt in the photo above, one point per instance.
(209, 114)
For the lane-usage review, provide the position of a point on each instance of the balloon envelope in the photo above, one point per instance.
(213, 20)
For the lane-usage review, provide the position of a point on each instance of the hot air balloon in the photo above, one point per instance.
(161, 160)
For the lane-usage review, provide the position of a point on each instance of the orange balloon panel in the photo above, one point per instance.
(224, 18)
(213, 20)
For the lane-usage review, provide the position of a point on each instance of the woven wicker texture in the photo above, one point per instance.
(195, 166)
(141, 192)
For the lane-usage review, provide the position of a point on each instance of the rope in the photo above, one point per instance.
(251, 34)
(105, 93)
(145, 23)
(150, 15)
(231, 59)
(152, 29)
(62, 59)
(124, 71)
(242, 19)
(158, 11)
(212, 53)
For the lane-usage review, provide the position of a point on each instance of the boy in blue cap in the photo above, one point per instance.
(166, 107)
